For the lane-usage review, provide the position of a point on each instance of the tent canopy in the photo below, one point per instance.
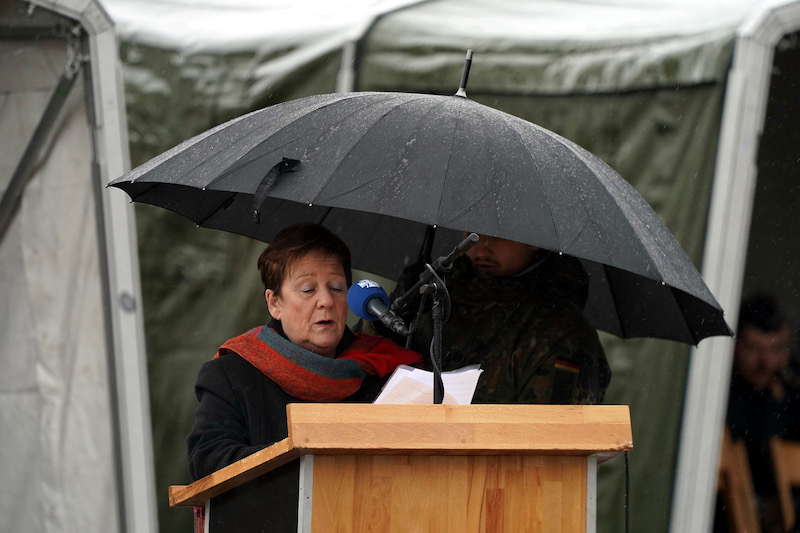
(639, 82)
(557, 46)
(554, 46)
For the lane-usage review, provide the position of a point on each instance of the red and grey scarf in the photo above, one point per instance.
(312, 377)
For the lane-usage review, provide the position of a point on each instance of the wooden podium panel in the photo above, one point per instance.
(359, 468)
(429, 494)
(455, 429)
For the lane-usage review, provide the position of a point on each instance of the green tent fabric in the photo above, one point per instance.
(648, 103)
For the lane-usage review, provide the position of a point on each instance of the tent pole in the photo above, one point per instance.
(134, 428)
(353, 51)
(123, 294)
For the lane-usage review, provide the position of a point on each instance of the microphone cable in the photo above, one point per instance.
(627, 489)
(441, 285)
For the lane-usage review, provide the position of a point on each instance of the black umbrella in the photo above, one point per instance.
(380, 168)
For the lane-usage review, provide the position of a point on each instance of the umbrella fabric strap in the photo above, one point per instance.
(308, 376)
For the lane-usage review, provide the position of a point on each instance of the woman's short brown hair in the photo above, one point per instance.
(294, 242)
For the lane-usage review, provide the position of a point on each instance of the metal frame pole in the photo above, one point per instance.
(127, 355)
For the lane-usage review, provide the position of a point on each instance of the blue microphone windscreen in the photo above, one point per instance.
(360, 293)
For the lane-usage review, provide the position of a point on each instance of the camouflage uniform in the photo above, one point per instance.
(527, 332)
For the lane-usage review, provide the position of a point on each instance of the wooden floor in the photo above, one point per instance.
(480, 494)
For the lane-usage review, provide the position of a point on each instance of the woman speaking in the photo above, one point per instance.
(305, 353)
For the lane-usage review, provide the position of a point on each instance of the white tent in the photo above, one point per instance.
(74, 414)
(190, 66)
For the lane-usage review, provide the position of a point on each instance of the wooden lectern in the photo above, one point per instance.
(418, 468)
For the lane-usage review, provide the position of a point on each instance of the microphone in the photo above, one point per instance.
(369, 301)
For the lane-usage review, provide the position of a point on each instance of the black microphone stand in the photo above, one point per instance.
(440, 311)
(431, 285)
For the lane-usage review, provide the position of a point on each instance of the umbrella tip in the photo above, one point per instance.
(462, 87)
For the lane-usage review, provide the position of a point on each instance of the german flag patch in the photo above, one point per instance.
(567, 366)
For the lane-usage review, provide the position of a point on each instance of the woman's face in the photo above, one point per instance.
(312, 305)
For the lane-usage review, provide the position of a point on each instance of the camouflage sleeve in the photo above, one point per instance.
(573, 370)
(593, 379)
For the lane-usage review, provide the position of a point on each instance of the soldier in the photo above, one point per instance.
(518, 312)
(763, 399)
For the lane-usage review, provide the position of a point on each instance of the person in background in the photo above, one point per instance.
(517, 310)
(305, 353)
(762, 401)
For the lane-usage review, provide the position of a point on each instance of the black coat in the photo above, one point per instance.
(241, 411)
(755, 416)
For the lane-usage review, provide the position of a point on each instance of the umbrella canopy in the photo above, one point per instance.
(379, 168)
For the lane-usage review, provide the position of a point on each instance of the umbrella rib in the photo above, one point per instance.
(456, 124)
(138, 195)
(225, 203)
(680, 312)
(353, 147)
(324, 216)
(348, 191)
(506, 121)
(471, 204)
(579, 234)
(493, 188)
(468, 207)
(614, 302)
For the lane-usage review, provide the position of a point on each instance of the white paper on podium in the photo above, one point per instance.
(409, 385)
